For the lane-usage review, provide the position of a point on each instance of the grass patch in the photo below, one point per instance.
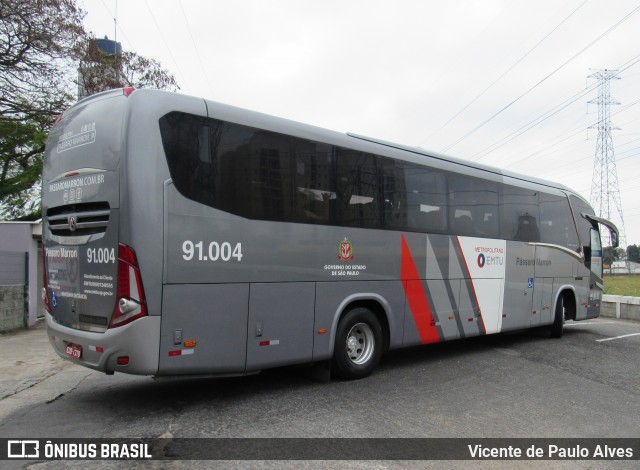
(622, 285)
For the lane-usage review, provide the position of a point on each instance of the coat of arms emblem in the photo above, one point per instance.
(345, 251)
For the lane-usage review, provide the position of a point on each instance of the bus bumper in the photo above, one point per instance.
(138, 342)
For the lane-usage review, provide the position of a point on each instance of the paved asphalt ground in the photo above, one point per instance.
(585, 385)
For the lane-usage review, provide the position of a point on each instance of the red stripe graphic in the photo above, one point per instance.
(417, 297)
(473, 288)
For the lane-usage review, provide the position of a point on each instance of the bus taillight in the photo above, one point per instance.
(130, 300)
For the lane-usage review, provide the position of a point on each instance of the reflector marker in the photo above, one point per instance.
(181, 352)
(93, 348)
(271, 342)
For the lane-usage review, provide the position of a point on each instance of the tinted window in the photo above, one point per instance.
(584, 226)
(473, 206)
(181, 138)
(264, 175)
(234, 168)
(556, 221)
(314, 182)
(519, 214)
(358, 189)
(415, 198)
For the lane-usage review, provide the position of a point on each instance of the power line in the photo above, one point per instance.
(163, 39)
(548, 114)
(540, 82)
(195, 47)
(573, 134)
(522, 130)
(514, 65)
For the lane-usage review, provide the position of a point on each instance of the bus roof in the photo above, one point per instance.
(282, 125)
(460, 161)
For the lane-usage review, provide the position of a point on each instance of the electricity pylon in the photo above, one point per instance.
(605, 191)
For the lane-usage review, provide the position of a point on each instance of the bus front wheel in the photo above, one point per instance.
(358, 345)
(557, 327)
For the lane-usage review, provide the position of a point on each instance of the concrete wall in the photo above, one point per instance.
(618, 306)
(21, 237)
(11, 307)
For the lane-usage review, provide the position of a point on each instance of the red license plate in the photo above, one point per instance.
(74, 350)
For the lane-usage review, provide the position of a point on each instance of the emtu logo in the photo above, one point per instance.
(481, 260)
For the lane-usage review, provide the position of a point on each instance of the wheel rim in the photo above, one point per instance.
(360, 343)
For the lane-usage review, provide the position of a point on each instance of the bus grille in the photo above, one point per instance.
(79, 219)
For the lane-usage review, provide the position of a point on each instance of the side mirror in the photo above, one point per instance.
(615, 237)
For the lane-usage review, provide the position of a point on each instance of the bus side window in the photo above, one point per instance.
(473, 206)
(415, 198)
(527, 229)
(358, 190)
(519, 214)
(394, 195)
(556, 222)
(314, 190)
(426, 200)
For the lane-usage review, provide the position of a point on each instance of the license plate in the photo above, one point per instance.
(74, 350)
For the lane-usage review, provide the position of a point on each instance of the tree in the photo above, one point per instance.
(38, 45)
(41, 45)
(21, 148)
(102, 71)
(38, 41)
(610, 254)
(633, 253)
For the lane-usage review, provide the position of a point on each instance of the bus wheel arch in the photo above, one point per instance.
(565, 309)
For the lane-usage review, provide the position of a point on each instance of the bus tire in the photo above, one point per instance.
(358, 345)
(556, 329)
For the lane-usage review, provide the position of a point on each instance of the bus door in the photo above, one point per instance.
(549, 261)
(596, 286)
(593, 254)
(519, 286)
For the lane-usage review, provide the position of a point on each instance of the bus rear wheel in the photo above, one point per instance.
(358, 345)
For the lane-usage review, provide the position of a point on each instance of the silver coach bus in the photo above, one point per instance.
(188, 237)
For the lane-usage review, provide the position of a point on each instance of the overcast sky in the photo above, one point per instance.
(496, 81)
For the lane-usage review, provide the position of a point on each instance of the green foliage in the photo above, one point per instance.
(21, 149)
(622, 285)
(610, 254)
(633, 253)
(42, 43)
(102, 71)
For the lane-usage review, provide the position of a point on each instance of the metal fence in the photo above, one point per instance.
(14, 290)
